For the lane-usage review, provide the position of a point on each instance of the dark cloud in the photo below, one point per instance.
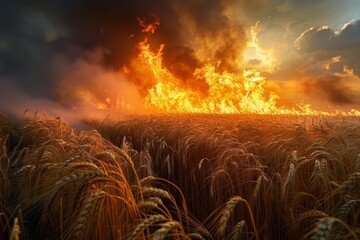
(315, 40)
(324, 44)
(332, 88)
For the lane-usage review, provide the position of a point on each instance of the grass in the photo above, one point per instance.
(181, 177)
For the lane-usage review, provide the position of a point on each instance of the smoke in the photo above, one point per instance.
(17, 103)
(215, 35)
(334, 89)
(85, 81)
(50, 49)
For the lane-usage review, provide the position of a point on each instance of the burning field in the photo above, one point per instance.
(180, 120)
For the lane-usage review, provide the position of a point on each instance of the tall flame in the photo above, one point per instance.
(227, 92)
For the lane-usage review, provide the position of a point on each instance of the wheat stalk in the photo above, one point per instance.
(148, 222)
(151, 191)
(324, 166)
(325, 229)
(147, 205)
(147, 180)
(85, 213)
(109, 156)
(83, 164)
(257, 186)
(345, 209)
(15, 231)
(289, 184)
(352, 184)
(226, 213)
(79, 175)
(195, 236)
(29, 167)
(167, 227)
(318, 168)
(322, 230)
(99, 204)
(238, 229)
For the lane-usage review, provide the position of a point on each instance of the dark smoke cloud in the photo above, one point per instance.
(332, 88)
(219, 36)
(34, 31)
(181, 61)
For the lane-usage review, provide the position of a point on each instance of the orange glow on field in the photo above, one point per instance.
(227, 92)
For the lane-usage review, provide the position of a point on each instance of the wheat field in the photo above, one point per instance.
(180, 177)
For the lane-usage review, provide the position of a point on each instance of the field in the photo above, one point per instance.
(180, 177)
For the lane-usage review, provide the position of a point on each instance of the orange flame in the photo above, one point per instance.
(227, 92)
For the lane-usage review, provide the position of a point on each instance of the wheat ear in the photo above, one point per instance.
(165, 229)
(15, 231)
(79, 175)
(148, 222)
(88, 205)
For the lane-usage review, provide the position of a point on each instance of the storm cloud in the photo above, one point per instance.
(325, 43)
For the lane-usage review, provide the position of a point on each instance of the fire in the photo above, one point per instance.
(225, 93)
(149, 28)
(228, 93)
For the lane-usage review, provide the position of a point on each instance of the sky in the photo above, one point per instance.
(58, 55)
